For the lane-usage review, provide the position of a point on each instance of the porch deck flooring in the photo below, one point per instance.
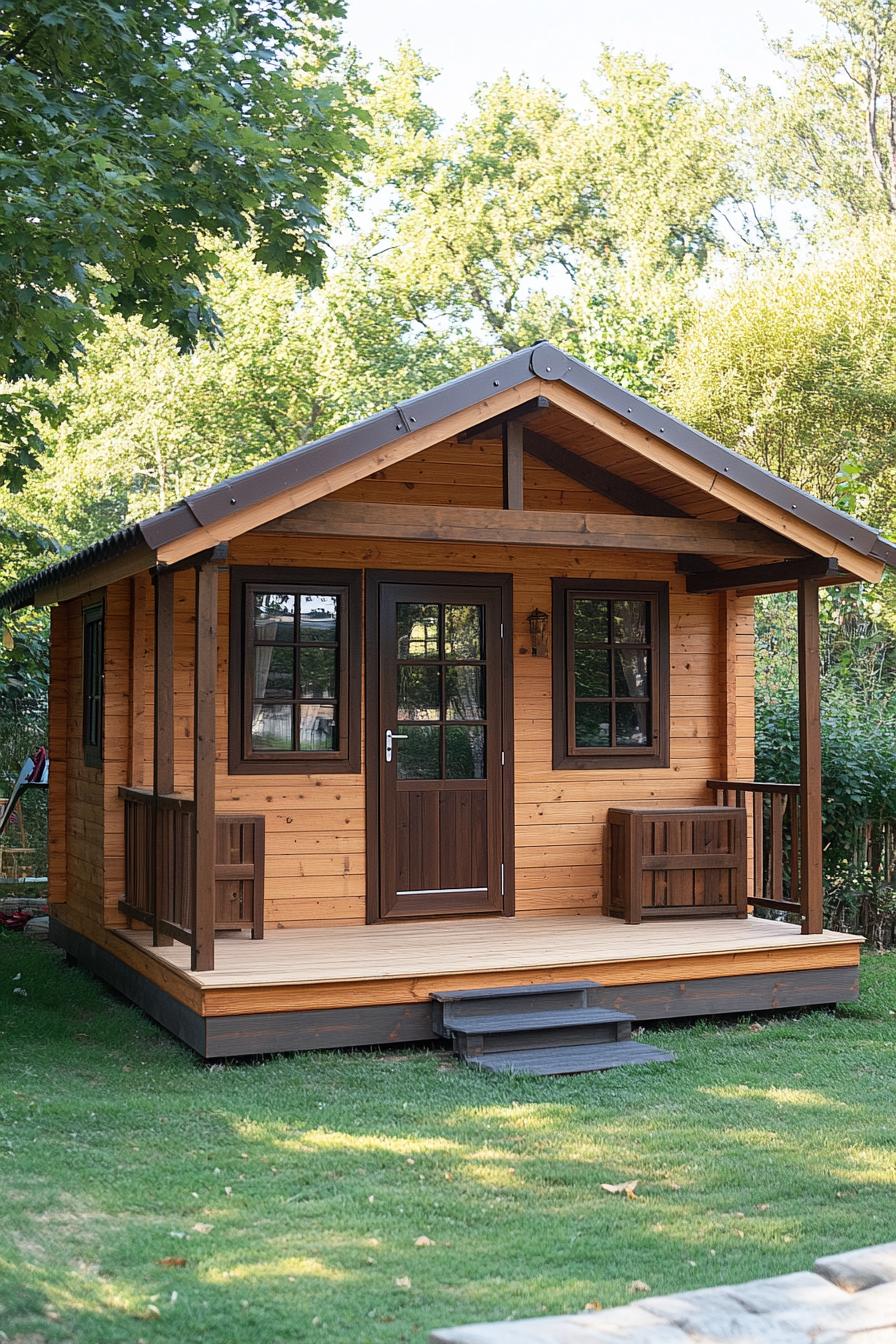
(314, 956)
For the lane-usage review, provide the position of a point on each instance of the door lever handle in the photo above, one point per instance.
(390, 738)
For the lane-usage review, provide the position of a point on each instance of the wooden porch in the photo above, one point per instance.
(411, 959)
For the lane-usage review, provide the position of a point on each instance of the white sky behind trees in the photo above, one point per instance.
(472, 41)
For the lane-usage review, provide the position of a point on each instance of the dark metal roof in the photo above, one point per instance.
(542, 360)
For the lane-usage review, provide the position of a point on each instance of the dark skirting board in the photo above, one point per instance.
(402, 1023)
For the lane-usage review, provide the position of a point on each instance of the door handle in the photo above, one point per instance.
(390, 738)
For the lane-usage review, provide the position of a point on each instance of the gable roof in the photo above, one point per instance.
(137, 545)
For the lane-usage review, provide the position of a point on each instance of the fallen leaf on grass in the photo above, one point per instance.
(424, 1241)
(593, 1306)
(638, 1286)
(173, 1261)
(627, 1188)
(403, 1282)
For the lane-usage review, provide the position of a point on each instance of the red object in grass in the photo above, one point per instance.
(15, 920)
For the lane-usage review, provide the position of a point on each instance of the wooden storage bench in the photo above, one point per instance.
(676, 862)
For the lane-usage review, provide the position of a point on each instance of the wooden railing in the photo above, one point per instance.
(775, 813)
(158, 877)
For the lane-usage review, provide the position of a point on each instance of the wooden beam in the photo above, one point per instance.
(513, 464)
(761, 576)
(598, 479)
(530, 527)
(162, 732)
(487, 428)
(811, 884)
(204, 686)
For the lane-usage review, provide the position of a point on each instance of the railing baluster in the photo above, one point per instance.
(769, 838)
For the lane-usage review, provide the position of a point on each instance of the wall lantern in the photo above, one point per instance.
(538, 632)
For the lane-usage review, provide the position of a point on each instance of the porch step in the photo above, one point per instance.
(488, 1032)
(571, 1058)
(538, 1029)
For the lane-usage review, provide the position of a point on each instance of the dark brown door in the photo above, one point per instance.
(441, 750)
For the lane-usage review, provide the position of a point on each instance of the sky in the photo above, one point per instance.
(472, 41)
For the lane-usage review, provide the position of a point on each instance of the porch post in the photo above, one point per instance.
(811, 889)
(162, 734)
(204, 678)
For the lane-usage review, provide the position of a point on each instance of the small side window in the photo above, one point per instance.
(610, 675)
(92, 675)
(297, 649)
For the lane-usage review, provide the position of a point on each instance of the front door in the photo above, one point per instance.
(438, 698)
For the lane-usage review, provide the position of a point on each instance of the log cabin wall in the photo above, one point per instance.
(315, 824)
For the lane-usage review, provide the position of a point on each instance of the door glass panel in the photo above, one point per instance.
(463, 631)
(630, 622)
(317, 673)
(272, 727)
(464, 752)
(631, 672)
(631, 726)
(464, 696)
(274, 672)
(591, 620)
(317, 728)
(319, 618)
(418, 755)
(592, 671)
(274, 616)
(418, 629)
(592, 725)
(419, 693)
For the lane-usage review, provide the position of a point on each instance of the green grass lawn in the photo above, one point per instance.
(295, 1190)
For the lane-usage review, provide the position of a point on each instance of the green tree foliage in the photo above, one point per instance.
(830, 139)
(791, 363)
(531, 219)
(133, 137)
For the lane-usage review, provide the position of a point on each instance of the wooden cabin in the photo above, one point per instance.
(457, 698)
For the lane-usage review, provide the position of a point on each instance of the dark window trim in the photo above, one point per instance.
(566, 757)
(347, 760)
(93, 614)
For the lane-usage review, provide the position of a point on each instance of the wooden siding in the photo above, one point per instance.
(76, 822)
(315, 824)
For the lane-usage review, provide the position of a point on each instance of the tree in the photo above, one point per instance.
(531, 219)
(792, 364)
(830, 137)
(133, 137)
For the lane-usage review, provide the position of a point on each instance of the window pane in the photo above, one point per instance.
(592, 671)
(591, 619)
(317, 728)
(275, 617)
(464, 752)
(419, 693)
(317, 673)
(272, 727)
(463, 632)
(631, 672)
(418, 755)
(418, 630)
(632, 726)
(319, 619)
(274, 671)
(631, 622)
(593, 725)
(465, 693)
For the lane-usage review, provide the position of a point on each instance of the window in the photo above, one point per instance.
(611, 656)
(295, 651)
(92, 677)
